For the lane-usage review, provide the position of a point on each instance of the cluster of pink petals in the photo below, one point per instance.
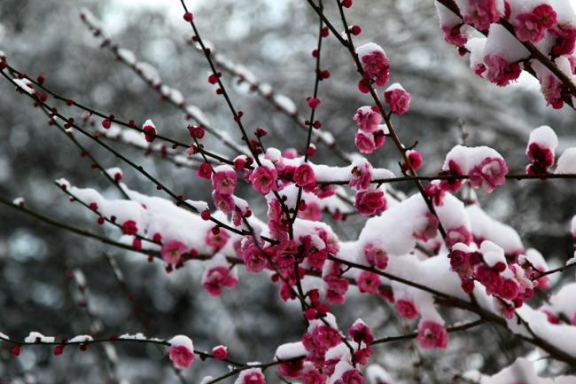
(369, 203)
(500, 71)
(484, 167)
(406, 309)
(224, 180)
(253, 258)
(376, 256)
(368, 119)
(375, 64)
(453, 35)
(482, 13)
(552, 89)
(368, 282)
(510, 282)
(336, 285)
(369, 142)
(218, 277)
(397, 98)
(432, 335)
(317, 342)
(565, 39)
(531, 26)
(414, 160)
(181, 352)
(304, 176)
(217, 240)
(251, 376)
(361, 176)
(181, 356)
(489, 174)
(172, 251)
(263, 179)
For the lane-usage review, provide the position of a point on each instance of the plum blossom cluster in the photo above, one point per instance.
(505, 37)
(369, 200)
(371, 134)
(541, 147)
(483, 167)
(325, 355)
(509, 281)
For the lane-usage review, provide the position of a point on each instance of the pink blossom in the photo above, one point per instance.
(489, 279)
(326, 337)
(368, 282)
(398, 99)
(376, 257)
(291, 368)
(565, 39)
(217, 278)
(453, 35)
(432, 335)
(406, 309)
(263, 179)
(330, 240)
(304, 176)
(509, 289)
(313, 102)
(479, 69)
(552, 89)
(482, 13)
(312, 376)
(312, 212)
(129, 227)
(253, 258)
(181, 356)
(220, 352)
(316, 257)
(414, 159)
(362, 356)
(172, 251)
(542, 157)
(364, 142)
(374, 63)
(361, 176)
(500, 72)
(452, 185)
(181, 351)
(251, 376)
(368, 119)
(370, 203)
(225, 203)
(489, 174)
(351, 376)
(204, 171)
(460, 263)
(217, 240)
(149, 131)
(436, 191)
(336, 288)
(224, 180)
(361, 333)
(532, 26)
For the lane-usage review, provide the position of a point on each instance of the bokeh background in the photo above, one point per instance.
(273, 40)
